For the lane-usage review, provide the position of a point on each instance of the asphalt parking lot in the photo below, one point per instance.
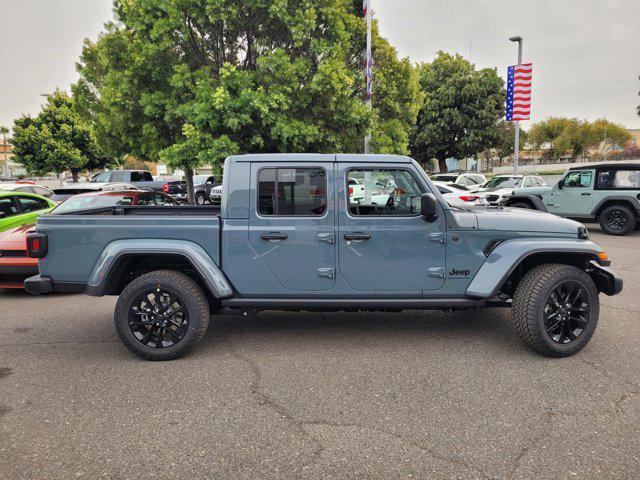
(285, 395)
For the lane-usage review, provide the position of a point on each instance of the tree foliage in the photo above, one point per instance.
(461, 109)
(559, 136)
(193, 81)
(56, 140)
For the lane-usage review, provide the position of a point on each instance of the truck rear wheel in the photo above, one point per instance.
(161, 315)
(556, 309)
(617, 220)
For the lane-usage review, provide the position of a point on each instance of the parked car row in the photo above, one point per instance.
(19, 209)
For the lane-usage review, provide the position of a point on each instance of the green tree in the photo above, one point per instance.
(56, 140)
(192, 81)
(575, 138)
(460, 113)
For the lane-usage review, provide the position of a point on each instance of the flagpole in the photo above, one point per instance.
(366, 5)
(516, 146)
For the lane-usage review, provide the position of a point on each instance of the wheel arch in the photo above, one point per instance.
(512, 259)
(124, 260)
(622, 200)
(534, 200)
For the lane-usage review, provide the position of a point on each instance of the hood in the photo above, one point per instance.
(15, 238)
(532, 191)
(523, 220)
(498, 190)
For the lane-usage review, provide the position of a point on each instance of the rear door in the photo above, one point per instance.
(292, 222)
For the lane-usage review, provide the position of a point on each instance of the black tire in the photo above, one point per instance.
(200, 199)
(521, 205)
(533, 306)
(617, 220)
(189, 327)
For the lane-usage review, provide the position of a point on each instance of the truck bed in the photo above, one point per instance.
(77, 239)
(156, 211)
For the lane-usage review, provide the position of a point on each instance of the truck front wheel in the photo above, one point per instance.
(161, 315)
(555, 309)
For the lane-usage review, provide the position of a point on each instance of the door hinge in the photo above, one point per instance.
(437, 237)
(327, 272)
(327, 237)
(436, 272)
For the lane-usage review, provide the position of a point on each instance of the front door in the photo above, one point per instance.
(575, 197)
(384, 244)
(292, 223)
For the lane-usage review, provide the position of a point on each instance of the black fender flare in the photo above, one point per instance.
(535, 200)
(630, 199)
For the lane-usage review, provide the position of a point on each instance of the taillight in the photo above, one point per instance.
(37, 244)
(468, 198)
(351, 191)
(165, 188)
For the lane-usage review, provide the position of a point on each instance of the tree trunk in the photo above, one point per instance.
(188, 176)
(74, 175)
(442, 165)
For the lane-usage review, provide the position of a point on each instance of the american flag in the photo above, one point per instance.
(519, 92)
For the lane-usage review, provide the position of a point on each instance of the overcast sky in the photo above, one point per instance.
(586, 53)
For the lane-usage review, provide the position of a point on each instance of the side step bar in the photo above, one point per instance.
(327, 304)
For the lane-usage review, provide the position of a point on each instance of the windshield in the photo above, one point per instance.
(90, 202)
(198, 179)
(503, 182)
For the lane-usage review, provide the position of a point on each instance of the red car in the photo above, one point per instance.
(102, 199)
(15, 266)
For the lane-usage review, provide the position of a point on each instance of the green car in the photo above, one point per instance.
(19, 208)
(608, 193)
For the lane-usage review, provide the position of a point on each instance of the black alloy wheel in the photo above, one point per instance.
(566, 312)
(158, 318)
(618, 220)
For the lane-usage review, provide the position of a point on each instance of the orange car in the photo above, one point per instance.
(15, 266)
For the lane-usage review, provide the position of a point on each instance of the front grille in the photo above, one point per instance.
(13, 253)
(493, 198)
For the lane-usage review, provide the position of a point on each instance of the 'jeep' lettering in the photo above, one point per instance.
(459, 273)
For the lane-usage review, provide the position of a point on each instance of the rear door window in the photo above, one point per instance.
(619, 180)
(298, 192)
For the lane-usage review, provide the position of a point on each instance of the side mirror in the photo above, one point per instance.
(560, 184)
(429, 207)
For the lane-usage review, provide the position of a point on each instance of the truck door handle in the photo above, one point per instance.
(274, 236)
(358, 236)
(586, 194)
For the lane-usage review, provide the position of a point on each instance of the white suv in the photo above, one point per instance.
(472, 181)
(502, 185)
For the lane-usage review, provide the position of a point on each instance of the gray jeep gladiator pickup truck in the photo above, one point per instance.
(289, 236)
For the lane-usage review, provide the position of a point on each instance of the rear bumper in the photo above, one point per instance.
(38, 285)
(41, 285)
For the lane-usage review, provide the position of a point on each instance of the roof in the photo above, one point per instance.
(107, 193)
(10, 193)
(632, 166)
(319, 157)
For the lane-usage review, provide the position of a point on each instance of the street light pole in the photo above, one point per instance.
(516, 147)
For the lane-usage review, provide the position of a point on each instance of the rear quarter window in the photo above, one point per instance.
(618, 180)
